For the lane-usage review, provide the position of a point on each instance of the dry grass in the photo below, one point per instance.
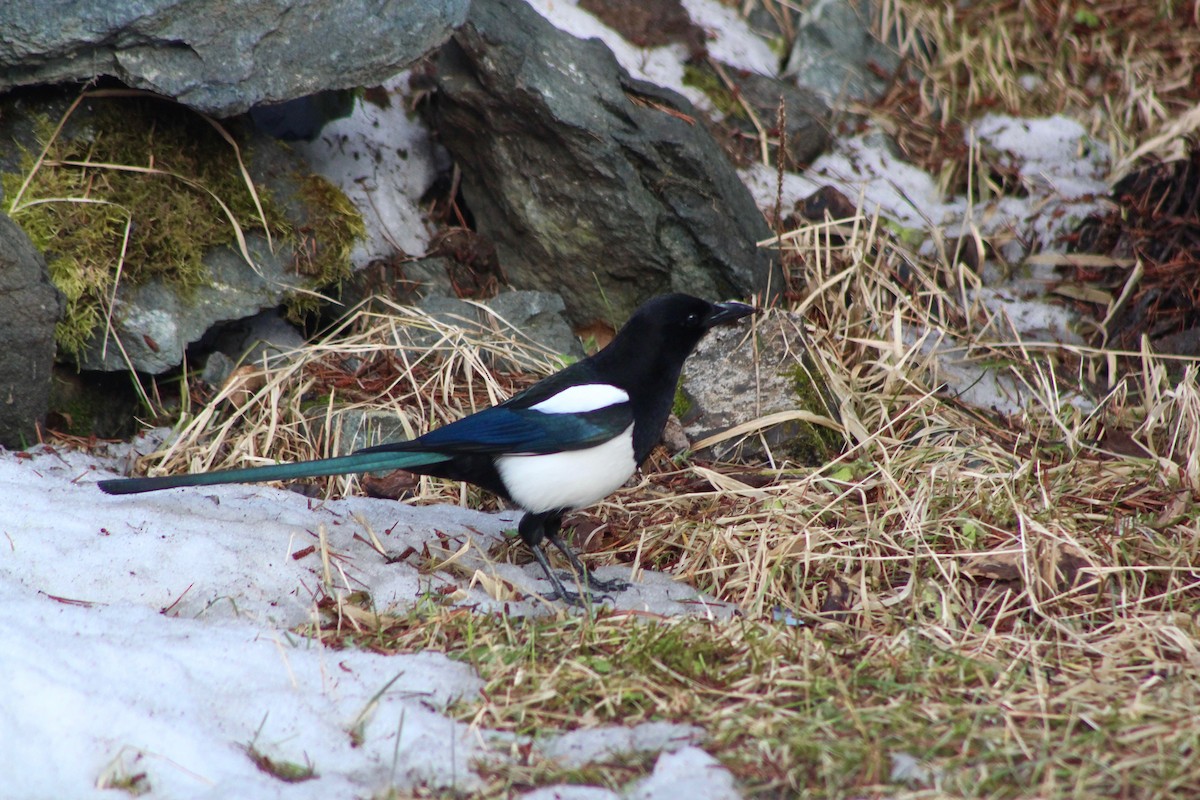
(984, 606)
(1124, 69)
(416, 371)
(1010, 602)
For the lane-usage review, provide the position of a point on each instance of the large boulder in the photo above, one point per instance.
(29, 308)
(221, 56)
(599, 187)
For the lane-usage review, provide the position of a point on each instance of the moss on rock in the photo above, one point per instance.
(131, 188)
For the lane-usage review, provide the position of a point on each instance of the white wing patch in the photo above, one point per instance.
(581, 398)
(571, 479)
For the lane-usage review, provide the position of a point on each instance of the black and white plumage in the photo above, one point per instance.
(562, 444)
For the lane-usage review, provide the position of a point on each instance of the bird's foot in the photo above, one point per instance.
(589, 580)
(592, 589)
(591, 592)
(583, 599)
(611, 585)
(598, 584)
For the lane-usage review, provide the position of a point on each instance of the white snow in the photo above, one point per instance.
(384, 160)
(151, 634)
(731, 41)
(1060, 166)
(865, 170)
(659, 65)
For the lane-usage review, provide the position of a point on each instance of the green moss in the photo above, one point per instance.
(910, 237)
(682, 406)
(135, 189)
(323, 244)
(812, 444)
(708, 82)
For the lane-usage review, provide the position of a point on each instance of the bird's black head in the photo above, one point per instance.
(679, 321)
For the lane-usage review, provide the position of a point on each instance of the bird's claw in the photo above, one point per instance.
(593, 590)
(578, 599)
(579, 576)
(599, 584)
(613, 585)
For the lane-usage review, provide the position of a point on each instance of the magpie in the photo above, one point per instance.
(562, 444)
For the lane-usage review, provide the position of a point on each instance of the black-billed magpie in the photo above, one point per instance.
(562, 444)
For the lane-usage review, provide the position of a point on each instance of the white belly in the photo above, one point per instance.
(573, 479)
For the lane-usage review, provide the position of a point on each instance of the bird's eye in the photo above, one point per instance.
(693, 319)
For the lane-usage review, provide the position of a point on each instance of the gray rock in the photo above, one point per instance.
(735, 376)
(593, 185)
(155, 322)
(356, 428)
(836, 55)
(266, 335)
(220, 56)
(429, 275)
(29, 309)
(539, 317)
(536, 315)
(217, 368)
(403, 282)
(806, 120)
(774, 22)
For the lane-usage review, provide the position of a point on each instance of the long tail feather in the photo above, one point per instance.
(355, 462)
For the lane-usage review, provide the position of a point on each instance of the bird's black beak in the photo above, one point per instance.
(727, 313)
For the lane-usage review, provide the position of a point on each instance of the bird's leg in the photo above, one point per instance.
(551, 529)
(532, 528)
